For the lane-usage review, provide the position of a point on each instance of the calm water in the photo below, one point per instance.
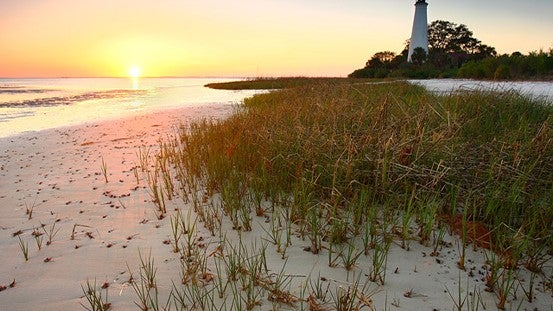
(541, 91)
(37, 104)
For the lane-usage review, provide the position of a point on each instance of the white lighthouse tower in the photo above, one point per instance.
(419, 34)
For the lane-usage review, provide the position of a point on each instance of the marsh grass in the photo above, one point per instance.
(463, 241)
(332, 160)
(426, 218)
(277, 83)
(314, 220)
(52, 231)
(492, 270)
(143, 155)
(529, 290)
(438, 241)
(325, 142)
(273, 234)
(176, 231)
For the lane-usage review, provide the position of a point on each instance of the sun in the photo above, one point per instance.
(134, 71)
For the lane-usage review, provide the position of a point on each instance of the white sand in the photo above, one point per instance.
(61, 170)
(536, 90)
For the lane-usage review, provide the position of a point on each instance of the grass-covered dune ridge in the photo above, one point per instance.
(348, 169)
(278, 83)
(329, 151)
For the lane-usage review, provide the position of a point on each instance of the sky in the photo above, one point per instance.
(246, 38)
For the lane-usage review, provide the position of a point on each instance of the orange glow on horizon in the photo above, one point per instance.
(103, 38)
(210, 38)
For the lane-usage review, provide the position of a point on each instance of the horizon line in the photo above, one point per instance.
(113, 77)
(169, 77)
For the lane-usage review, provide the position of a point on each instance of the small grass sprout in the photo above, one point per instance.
(379, 261)
(406, 220)
(505, 287)
(145, 287)
(96, 296)
(459, 300)
(176, 232)
(104, 169)
(24, 246)
(38, 238)
(30, 208)
(51, 232)
(349, 255)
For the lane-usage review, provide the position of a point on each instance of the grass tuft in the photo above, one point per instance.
(315, 148)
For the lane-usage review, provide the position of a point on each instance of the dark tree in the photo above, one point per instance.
(451, 45)
(419, 56)
(537, 64)
(381, 59)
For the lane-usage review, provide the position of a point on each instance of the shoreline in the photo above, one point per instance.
(56, 173)
(172, 114)
(56, 103)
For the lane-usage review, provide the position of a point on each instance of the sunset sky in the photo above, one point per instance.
(76, 38)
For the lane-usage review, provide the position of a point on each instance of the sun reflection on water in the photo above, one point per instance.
(135, 81)
(137, 105)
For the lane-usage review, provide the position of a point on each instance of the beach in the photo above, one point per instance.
(276, 155)
(57, 174)
(75, 198)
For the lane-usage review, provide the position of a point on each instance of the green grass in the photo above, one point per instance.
(325, 142)
(277, 83)
(338, 162)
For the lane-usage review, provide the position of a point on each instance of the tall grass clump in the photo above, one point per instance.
(328, 150)
(334, 162)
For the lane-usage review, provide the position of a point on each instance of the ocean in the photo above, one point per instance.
(39, 104)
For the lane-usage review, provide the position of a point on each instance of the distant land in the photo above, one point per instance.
(455, 53)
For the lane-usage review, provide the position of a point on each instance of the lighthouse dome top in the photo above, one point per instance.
(421, 2)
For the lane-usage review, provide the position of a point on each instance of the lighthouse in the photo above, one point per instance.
(419, 34)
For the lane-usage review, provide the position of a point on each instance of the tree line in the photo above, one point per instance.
(453, 52)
